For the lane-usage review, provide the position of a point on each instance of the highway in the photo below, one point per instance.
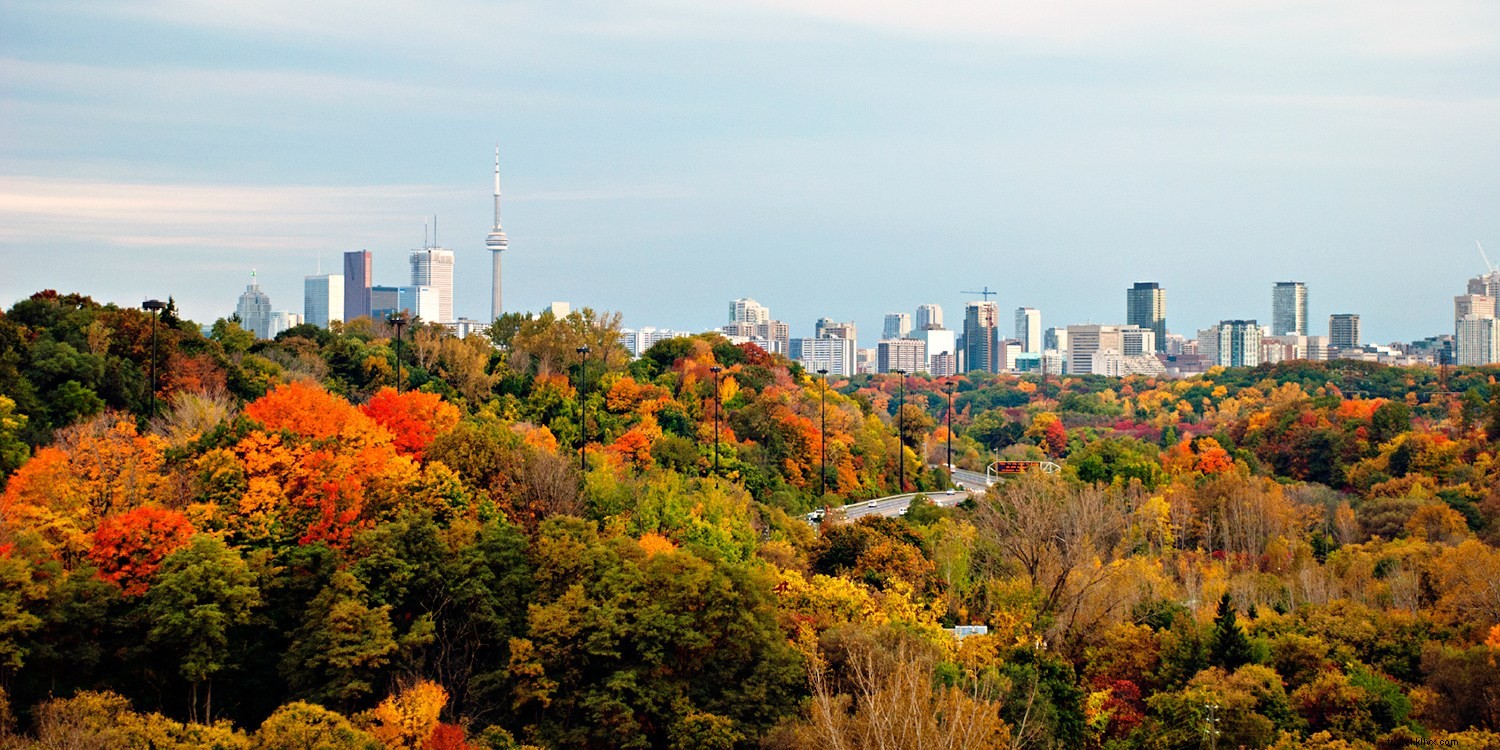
(895, 505)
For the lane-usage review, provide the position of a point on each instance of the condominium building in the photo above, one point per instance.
(827, 327)
(746, 310)
(1289, 309)
(1343, 330)
(1477, 340)
(897, 325)
(901, 354)
(835, 355)
(1137, 340)
(1236, 343)
(1083, 341)
(1477, 305)
(981, 336)
(1146, 306)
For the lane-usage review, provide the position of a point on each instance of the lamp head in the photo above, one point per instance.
(153, 305)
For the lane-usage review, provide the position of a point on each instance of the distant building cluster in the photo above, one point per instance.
(918, 341)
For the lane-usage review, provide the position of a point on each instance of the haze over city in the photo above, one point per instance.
(660, 159)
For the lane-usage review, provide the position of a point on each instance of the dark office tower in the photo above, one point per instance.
(981, 336)
(1343, 331)
(1289, 309)
(356, 284)
(1146, 306)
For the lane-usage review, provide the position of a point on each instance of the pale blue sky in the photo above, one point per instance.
(663, 158)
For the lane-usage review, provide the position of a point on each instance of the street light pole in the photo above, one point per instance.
(583, 407)
(950, 428)
(716, 370)
(155, 306)
(398, 320)
(901, 437)
(823, 438)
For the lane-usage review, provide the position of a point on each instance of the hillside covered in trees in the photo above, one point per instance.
(337, 540)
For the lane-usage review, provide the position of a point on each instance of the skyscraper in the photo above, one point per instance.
(1343, 331)
(433, 266)
(1029, 329)
(323, 299)
(1146, 306)
(1289, 309)
(497, 244)
(830, 328)
(929, 316)
(1476, 340)
(901, 354)
(897, 325)
(254, 310)
(357, 283)
(981, 336)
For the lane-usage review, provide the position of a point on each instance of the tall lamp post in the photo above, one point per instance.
(398, 320)
(901, 437)
(155, 306)
(950, 429)
(823, 437)
(583, 406)
(716, 370)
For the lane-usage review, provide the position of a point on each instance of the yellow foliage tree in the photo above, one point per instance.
(404, 720)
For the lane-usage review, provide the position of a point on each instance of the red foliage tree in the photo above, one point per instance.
(414, 418)
(129, 547)
(447, 737)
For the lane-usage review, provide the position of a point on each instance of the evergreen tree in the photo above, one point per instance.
(1230, 648)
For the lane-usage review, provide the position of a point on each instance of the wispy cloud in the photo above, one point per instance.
(1393, 27)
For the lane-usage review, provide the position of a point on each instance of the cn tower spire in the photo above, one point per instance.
(497, 243)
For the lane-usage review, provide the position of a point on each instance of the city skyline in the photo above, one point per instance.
(160, 150)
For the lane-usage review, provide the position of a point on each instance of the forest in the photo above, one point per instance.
(345, 539)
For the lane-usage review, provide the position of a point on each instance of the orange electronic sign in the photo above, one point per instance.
(1011, 467)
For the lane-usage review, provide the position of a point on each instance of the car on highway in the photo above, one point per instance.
(872, 504)
(950, 490)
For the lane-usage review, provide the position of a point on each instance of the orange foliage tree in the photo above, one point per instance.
(128, 548)
(414, 418)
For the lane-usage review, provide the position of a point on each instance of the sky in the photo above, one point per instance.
(840, 158)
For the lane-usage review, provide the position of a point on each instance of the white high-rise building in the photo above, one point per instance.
(433, 267)
(254, 310)
(1476, 340)
(1289, 309)
(497, 243)
(836, 355)
(1029, 329)
(1137, 340)
(1085, 340)
(897, 325)
(323, 299)
(929, 316)
(746, 310)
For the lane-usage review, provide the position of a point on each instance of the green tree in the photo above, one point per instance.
(202, 593)
(305, 726)
(1230, 648)
(341, 645)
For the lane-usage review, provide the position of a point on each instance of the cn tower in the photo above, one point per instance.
(497, 243)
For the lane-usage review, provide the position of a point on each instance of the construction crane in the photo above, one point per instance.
(986, 293)
(1482, 254)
